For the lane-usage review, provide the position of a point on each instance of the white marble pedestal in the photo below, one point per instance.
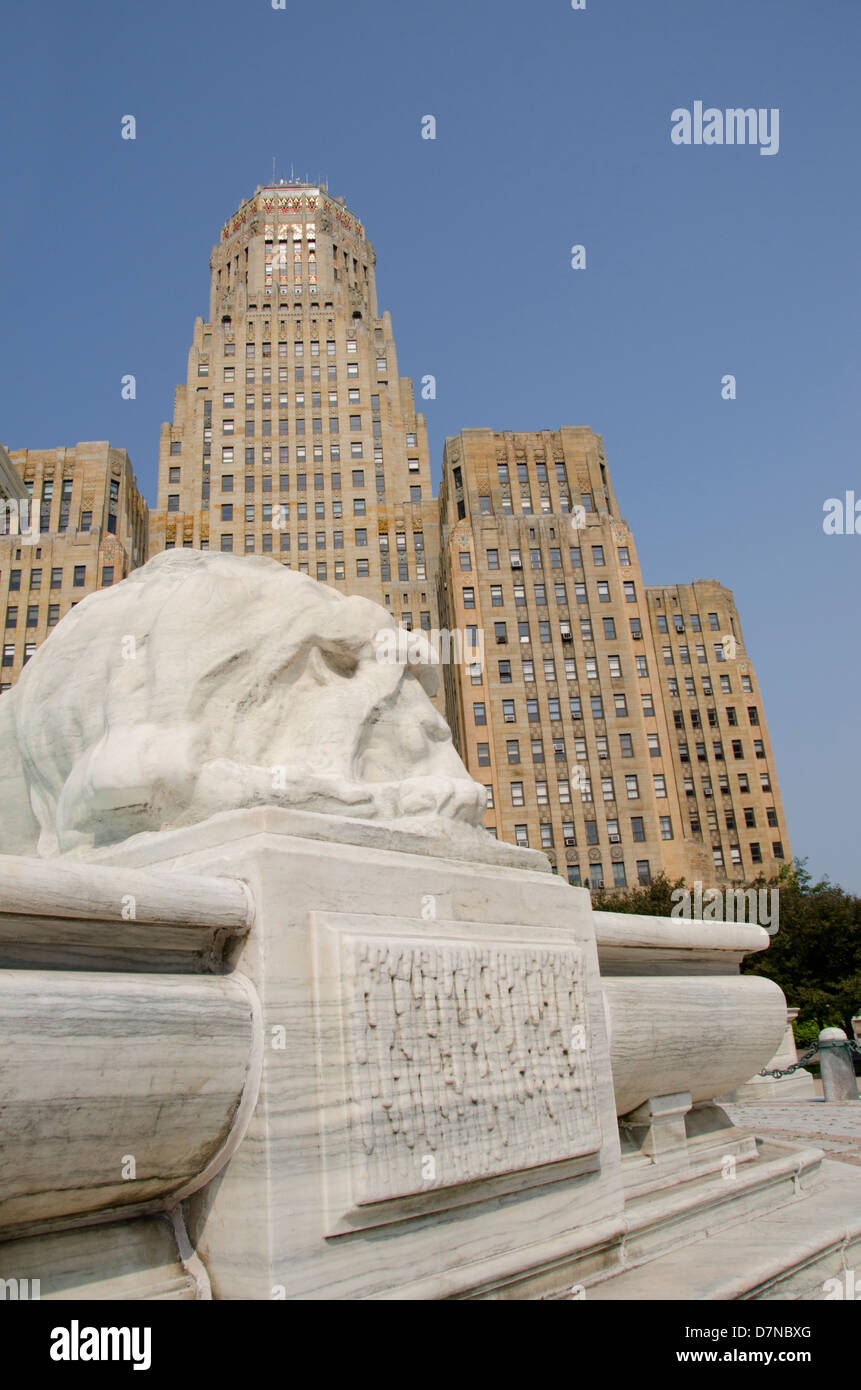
(436, 1114)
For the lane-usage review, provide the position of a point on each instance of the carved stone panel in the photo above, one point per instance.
(462, 1060)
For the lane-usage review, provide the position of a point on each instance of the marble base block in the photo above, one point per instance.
(436, 1108)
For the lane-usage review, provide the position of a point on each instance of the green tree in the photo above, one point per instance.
(815, 956)
(654, 899)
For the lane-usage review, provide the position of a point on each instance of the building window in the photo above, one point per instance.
(513, 750)
(479, 712)
(80, 576)
(483, 750)
(644, 876)
(107, 576)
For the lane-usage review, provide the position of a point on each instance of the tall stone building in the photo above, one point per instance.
(86, 529)
(722, 757)
(293, 435)
(619, 727)
(569, 721)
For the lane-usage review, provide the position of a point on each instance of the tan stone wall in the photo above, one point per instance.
(75, 550)
(727, 784)
(506, 507)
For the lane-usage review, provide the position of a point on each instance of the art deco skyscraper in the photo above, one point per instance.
(572, 720)
(293, 435)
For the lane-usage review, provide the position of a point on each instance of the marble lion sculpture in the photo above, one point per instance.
(206, 682)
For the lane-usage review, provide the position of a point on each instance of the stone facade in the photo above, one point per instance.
(722, 758)
(293, 434)
(569, 721)
(87, 530)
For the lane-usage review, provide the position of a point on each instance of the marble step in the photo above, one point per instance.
(785, 1254)
(686, 1205)
(120, 1261)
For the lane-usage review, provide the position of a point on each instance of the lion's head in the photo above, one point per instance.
(206, 682)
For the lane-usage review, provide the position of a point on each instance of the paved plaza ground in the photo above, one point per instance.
(835, 1128)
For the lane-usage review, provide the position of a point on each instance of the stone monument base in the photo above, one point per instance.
(303, 1056)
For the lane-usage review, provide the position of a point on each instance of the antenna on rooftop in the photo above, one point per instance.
(273, 168)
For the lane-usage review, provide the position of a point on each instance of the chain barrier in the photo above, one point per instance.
(849, 1044)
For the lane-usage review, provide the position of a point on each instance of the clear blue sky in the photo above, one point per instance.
(553, 129)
